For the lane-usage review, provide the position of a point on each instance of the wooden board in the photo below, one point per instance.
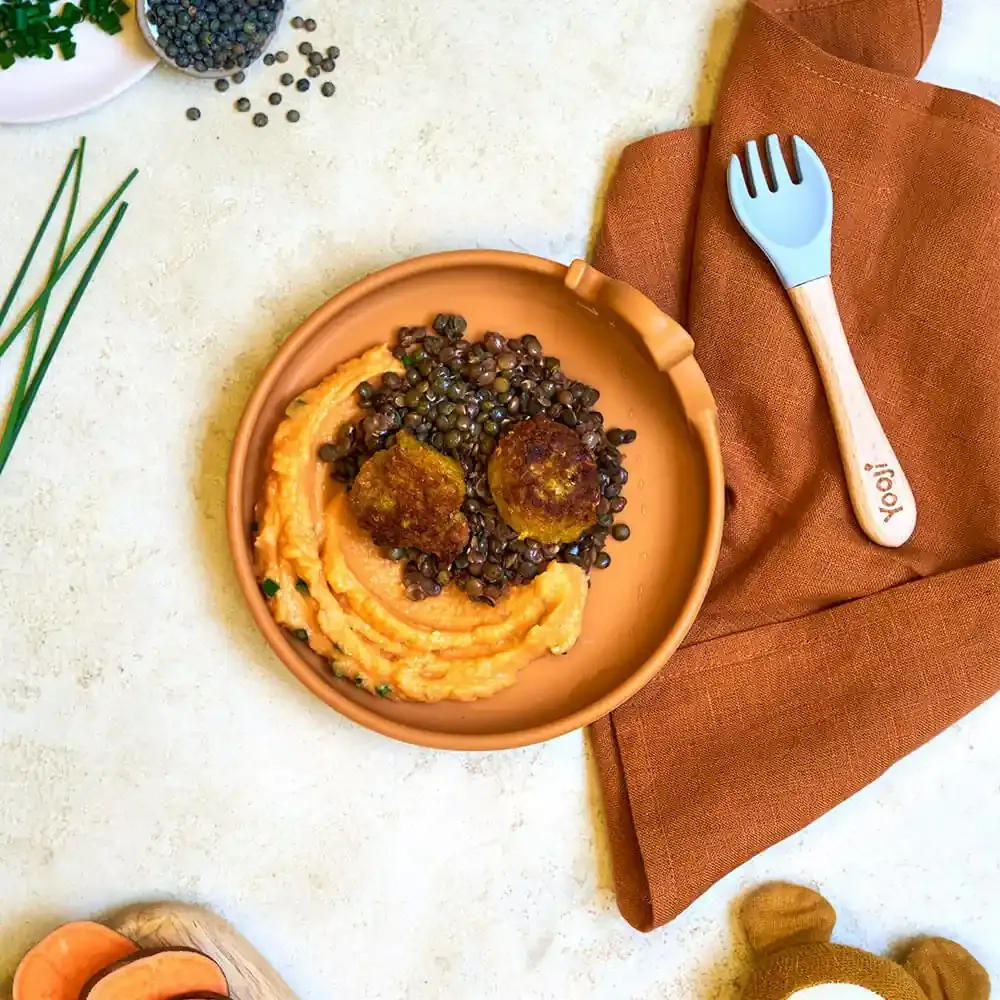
(161, 925)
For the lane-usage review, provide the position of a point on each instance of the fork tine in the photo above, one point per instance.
(739, 194)
(776, 161)
(758, 179)
(808, 164)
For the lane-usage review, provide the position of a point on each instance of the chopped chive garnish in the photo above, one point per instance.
(383, 690)
(269, 587)
(254, 527)
(301, 586)
(30, 28)
(359, 681)
(301, 634)
(408, 360)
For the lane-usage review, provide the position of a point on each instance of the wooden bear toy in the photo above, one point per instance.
(789, 930)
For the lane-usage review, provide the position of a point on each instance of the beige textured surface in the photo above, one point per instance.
(149, 744)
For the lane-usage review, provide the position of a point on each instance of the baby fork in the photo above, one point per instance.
(793, 223)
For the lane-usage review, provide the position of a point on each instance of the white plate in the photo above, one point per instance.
(40, 90)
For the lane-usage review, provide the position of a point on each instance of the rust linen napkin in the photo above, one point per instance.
(820, 659)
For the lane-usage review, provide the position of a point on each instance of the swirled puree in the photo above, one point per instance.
(328, 583)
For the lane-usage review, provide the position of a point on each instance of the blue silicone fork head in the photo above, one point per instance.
(792, 222)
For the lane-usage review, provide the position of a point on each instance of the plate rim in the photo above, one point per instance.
(704, 423)
(140, 73)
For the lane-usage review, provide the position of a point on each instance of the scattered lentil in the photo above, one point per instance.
(292, 115)
(222, 86)
(239, 77)
(287, 79)
(328, 90)
(297, 22)
(243, 104)
(312, 71)
(281, 56)
(327, 65)
(302, 85)
(315, 58)
(310, 24)
(333, 52)
(305, 48)
(260, 119)
(193, 114)
(274, 99)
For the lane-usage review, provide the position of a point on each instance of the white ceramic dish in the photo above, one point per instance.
(41, 90)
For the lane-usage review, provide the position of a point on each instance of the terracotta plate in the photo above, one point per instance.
(606, 333)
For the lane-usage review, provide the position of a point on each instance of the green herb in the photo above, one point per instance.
(14, 416)
(359, 681)
(301, 634)
(31, 29)
(301, 586)
(408, 360)
(254, 527)
(29, 383)
(65, 266)
(383, 690)
(269, 587)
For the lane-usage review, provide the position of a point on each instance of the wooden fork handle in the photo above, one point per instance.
(880, 493)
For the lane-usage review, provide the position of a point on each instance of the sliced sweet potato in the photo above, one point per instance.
(60, 965)
(158, 974)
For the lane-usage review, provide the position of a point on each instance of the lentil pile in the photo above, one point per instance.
(461, 397)
(213, 34)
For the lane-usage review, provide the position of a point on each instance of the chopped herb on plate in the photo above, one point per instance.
(269, 587)
(32, 29)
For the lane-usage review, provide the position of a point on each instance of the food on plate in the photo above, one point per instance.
(160, 974)
(33, 28)
(544, 481)
(378, 497)
(410, 495)
(61, 964)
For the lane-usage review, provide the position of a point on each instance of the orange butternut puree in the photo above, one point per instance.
(334, 583)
